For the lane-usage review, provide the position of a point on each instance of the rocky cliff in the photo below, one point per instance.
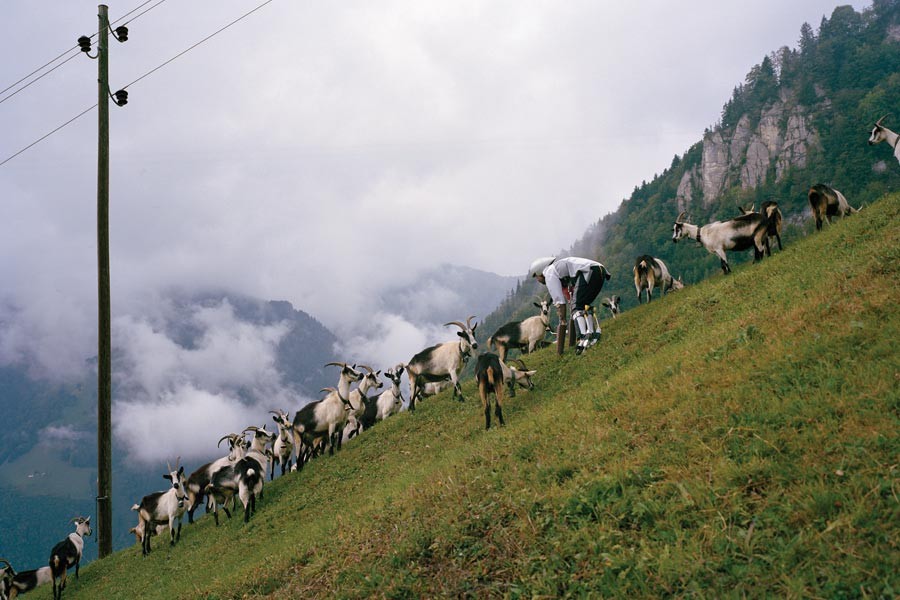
(760, 146)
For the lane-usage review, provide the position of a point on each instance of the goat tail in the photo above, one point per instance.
(135, 507)
(490, 342)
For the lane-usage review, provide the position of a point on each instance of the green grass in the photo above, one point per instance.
(736, 439)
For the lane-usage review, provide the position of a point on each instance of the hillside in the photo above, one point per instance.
(739, 438)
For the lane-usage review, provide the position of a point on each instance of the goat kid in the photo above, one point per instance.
(524, 335)
(436, 363)
(741, 233)
(880, 133)
(827, 202)
(283, 448)
(163, 508)
(650, 272)
(612, 303)
(67, 554)
(390, 401)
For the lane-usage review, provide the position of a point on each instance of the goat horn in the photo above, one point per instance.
(169, 466)
(878, 122)
(336, 364)
(253, 428)
(328, 389)
(177, 460)
(521, 363)
(367, 368)
(230, 436)
(679, 218)
(469, 321)
(457, 323)
(9, 566)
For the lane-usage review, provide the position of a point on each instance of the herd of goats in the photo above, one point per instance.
(322, 426)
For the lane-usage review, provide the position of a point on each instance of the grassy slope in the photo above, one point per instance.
(739, 438)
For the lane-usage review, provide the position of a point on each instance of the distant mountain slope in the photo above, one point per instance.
(730, 440)
(48, 459)
(448, 293)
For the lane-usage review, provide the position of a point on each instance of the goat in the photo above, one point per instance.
(390, 401)
(166, 507)
(360, 403)
(520, 376)
(649, 272)
(612, 303)
(490, 379)
(880, 133)
(741, 233)
(251, 470)
(433, 388)
(436, 363)
(827, 202)
(67, 554)
(244, 478)
(325, 416)
(12, 583)
(524, 335)
(283, 448)
(772, 213)
(199, 479)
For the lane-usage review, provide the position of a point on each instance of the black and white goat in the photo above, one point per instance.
(827, 202)
(740, 233)
(283, 448)
(650, 272)
(13, 583)
(880, 133)
(772, 213)
(244, 479)
(524, 335)
(67, 554)
(163, 508)
(612, 303)
(199, 479)
(439, 362)
(325, 417)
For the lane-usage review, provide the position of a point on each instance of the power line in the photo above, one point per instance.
(44, 137)
(76, 47)
(180, 54)
(183, 52)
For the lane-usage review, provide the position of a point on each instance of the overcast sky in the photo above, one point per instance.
(317, 151)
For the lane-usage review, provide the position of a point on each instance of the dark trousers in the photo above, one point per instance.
(587, 289)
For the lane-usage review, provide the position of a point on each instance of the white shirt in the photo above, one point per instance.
(562, 268)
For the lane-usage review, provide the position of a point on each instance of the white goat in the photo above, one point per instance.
(612, 303)
(524, 335)
(390, 401)
(741, 233)
(283, 449)
(880, 133)
(325, 417)
(436, 363)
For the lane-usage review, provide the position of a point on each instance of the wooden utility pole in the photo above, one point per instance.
(104, 363)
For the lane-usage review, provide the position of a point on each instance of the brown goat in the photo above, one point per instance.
(489, 375)
(827, 202)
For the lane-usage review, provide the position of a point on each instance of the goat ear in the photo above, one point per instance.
(181, 470)
(167, 476)
(536, 304)
(461, 334)
(475, 326)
